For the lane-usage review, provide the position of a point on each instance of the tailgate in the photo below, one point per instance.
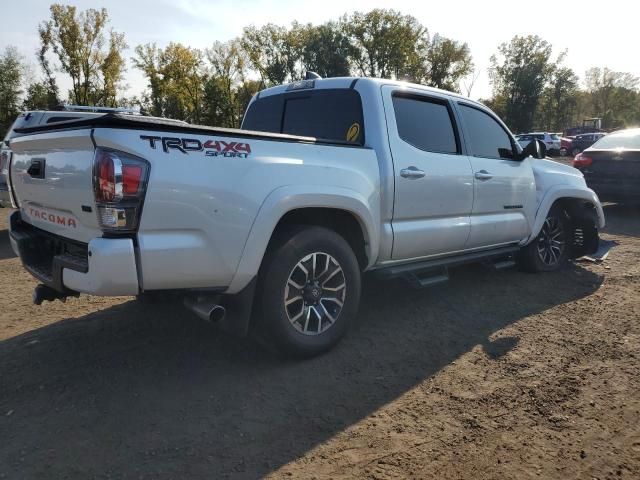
(52, 178)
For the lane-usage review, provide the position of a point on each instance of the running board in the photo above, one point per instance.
(427, 278)
(415, 268)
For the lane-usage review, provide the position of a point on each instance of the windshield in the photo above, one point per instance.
(624, 139)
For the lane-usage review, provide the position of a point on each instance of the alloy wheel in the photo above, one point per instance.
(315, 293)
(551, 242)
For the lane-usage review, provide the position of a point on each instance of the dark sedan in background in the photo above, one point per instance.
(574, 145)
(611, 166)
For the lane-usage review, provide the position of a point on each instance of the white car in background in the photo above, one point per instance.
(551, 140)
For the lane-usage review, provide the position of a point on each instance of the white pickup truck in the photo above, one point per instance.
(271, 226)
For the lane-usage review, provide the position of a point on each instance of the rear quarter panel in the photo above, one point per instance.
(201, 205)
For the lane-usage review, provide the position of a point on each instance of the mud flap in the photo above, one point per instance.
(239, 307)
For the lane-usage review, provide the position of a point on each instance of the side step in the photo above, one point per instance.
(430, 272)
(427, 278)
(500, 263)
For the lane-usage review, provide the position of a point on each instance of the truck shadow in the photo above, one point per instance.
(134, 391)
(5, 246)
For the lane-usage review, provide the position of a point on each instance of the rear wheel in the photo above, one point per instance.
(309, 291)
(550, 249)
(575, 151)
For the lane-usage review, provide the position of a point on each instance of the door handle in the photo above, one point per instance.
(411, 172)
(483, 175)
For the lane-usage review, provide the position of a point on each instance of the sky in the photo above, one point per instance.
(594, 34)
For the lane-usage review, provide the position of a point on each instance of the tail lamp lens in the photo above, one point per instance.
(581, 160)
(119, 184)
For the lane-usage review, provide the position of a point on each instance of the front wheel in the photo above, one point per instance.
(550, 249)
(309, 291)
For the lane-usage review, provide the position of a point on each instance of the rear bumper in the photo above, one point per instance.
(104, 266)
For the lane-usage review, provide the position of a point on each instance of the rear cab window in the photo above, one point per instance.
(327, 114)
(426, 123)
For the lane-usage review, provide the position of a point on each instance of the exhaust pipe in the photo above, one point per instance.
(206, 309)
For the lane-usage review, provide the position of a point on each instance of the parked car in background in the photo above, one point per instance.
(550, 140)
(611, 166)
(574, 145)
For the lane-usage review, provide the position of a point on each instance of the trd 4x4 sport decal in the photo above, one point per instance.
(212, 148)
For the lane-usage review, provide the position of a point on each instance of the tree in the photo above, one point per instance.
(558, 101)
(613, 96)
(37, 97)
(519, 74)
(447, 62)
(147, 60)
(386, 44)
(175, 79)
(273, 52)
(228, 68)
(11, 75)
(77, 40)
(326, 50)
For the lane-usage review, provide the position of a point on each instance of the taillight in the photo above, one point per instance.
(119, 184)
(582, 160)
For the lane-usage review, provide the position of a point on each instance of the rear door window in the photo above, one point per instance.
(329, 114)
(425, 123)
(487, 137)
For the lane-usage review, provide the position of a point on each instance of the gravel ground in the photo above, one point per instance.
(492, 375)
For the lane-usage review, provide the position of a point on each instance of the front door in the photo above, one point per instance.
(433, 179)
(504, 188)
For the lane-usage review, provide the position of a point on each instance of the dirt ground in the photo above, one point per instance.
(493, 375)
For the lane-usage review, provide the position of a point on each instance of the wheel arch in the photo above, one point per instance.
(581, 205)
(342, 210)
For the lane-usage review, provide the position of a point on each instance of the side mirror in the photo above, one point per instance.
(536, 149)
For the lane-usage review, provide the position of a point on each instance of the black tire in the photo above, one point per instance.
(281, 270)
(575, 151)
(542, 255)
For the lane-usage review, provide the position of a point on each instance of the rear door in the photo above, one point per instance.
(504, 188)
(433, 179)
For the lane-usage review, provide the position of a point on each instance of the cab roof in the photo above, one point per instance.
(351, 82)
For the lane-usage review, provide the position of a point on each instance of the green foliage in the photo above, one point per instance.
(614, 97)
(447, 62)
(214, 86)
(11, 73)
(176, 79)
(37, 97)
(558, 101)
(519, 74)
(78, 42)
(274, 52)
(386, 43)
(326, 50)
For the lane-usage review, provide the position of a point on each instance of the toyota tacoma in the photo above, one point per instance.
(272, 225)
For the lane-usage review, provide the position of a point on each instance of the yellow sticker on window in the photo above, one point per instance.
(353, 133)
